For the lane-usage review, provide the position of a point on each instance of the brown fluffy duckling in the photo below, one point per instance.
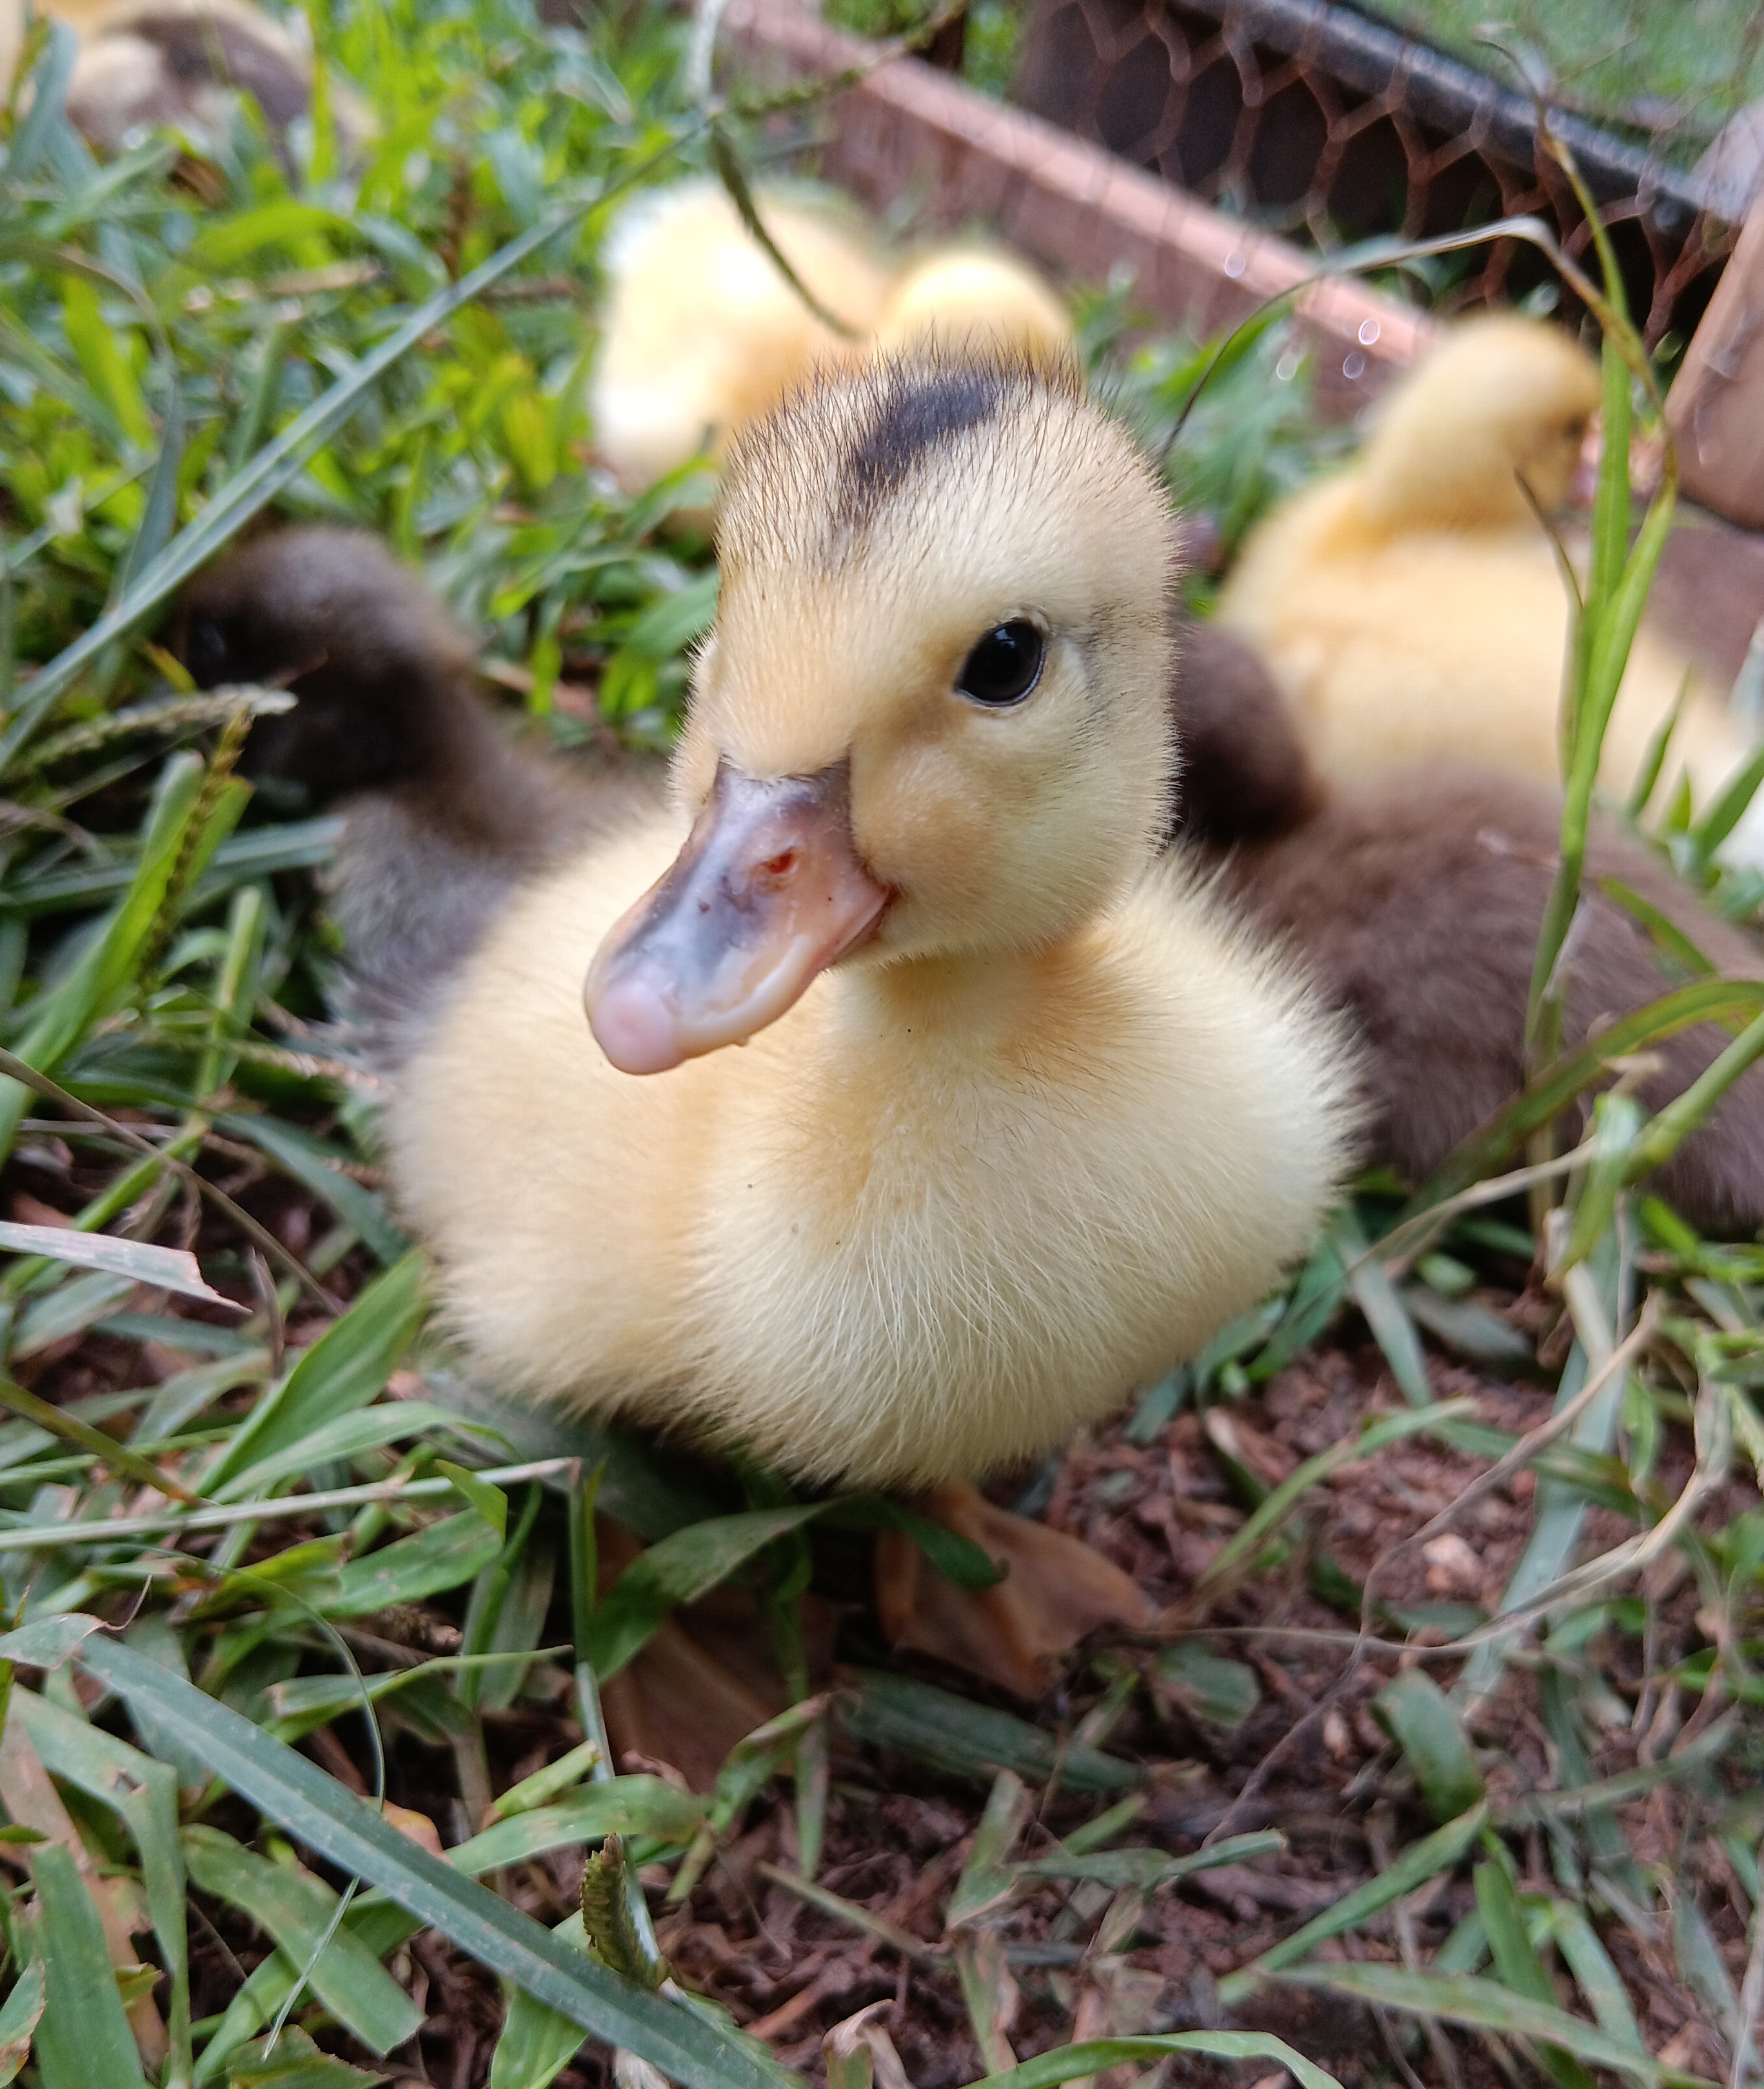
(1416, 898)
(447, 815)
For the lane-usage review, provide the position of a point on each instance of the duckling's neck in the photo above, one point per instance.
(973, 998)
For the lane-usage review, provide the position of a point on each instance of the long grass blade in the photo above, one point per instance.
(346, 1832)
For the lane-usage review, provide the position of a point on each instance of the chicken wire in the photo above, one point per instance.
(1324, 124)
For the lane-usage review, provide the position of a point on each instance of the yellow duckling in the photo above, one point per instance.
(702, 334)
(973, 300)
(1023, 1116)
(1412, 605)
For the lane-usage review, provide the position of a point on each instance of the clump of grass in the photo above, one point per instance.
(252, 1520)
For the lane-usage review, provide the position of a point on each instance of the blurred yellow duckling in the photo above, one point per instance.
(974, 299)
(1412, 605)
(702, 334)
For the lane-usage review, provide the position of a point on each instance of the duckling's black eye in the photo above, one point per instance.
(1005, 665)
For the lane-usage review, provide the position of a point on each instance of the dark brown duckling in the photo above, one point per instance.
(1417, 899)
(447, 815)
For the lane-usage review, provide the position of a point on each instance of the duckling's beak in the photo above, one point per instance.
(767, 892)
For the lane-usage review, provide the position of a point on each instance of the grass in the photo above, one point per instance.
(1553, 1798)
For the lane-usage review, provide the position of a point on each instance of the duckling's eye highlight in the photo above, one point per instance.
(1005, 665)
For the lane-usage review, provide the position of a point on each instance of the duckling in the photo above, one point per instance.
(1023, 1116)
(1416, 898)
(445, 815)
(702, 333)
(147, 61)
(971, 299)
(1412, 605)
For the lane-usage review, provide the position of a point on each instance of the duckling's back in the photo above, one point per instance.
(1416, 898)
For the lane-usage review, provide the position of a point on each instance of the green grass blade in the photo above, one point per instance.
(166, 1268)
(18, 2020)
(49, 84)
(970, 1740)
(1556, 1085)
(299, 1911)
(444, 1556)
(159, 517)
(986, 1878)
(1598, 1978)
(680, 1569)
(1420, 1719)
(1647, 777)
(346, 1832)
(1389, 1428)
(623, 1806)
(345, 1368)
(1071, 2063)
(1520, 1968)
(69, 1009)
(144, 1795)
(1420, 1861)
(344, 1436)
(83, 2037)
(536, 2043)
(1479, 2005)
(1387, 1314)
(1724, 815)
(1148, 1869)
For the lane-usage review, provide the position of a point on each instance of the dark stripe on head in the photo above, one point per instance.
(920, 408)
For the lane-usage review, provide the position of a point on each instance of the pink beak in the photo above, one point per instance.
(767, 892)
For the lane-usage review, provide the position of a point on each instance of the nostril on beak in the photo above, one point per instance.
(781, 866)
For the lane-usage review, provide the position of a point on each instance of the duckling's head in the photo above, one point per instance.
(1502, 398)
(931, 720)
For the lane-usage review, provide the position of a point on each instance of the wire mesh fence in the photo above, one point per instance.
(1324, 124)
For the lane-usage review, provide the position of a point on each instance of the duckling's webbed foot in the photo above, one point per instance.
(676, 1703)
(1055, 1592)
(707, 1677)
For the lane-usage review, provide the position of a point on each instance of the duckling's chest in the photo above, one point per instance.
(923, 1263)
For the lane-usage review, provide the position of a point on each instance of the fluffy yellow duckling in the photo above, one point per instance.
(1023, 1116)
(147, 61)
(973, 300)
(1412, 605)
(701, 334)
